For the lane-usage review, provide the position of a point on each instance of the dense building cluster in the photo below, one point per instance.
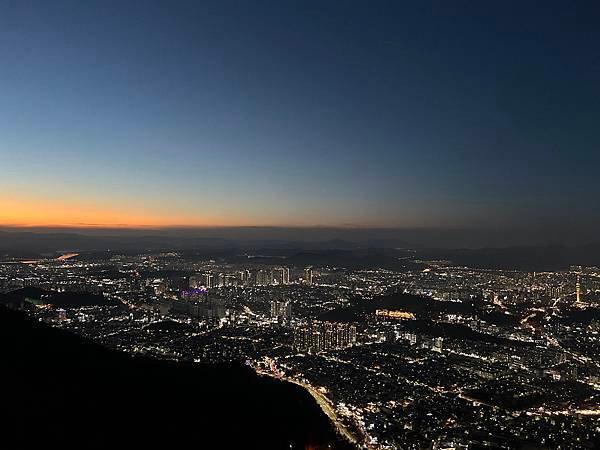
(429, 356)
(320, 336)
(281, 310)
(260, 277)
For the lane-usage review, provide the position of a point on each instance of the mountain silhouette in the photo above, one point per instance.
(63, 391)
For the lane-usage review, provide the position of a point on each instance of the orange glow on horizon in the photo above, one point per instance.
(34, 211)
(25, 212)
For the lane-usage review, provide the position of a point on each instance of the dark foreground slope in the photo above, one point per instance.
(61, 391)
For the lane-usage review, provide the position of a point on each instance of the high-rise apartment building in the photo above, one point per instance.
(263, 277)
(308, 276)
(321, 336)
(281, 310)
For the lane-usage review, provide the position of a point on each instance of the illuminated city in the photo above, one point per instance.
(433, 354)
(300, 224)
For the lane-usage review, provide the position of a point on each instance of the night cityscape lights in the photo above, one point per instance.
(300, 225)
(433, 356)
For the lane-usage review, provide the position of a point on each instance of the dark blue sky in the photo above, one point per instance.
(396, 114)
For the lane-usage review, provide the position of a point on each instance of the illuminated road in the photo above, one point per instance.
(325, 405)
(322, 401)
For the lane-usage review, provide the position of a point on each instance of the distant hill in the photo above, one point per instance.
(420, 306)
(581, 317)
(62, 391)
(25, 244)
(59, 299)
(458, 331)
(389, 253)
(354, 259)
(556, 257)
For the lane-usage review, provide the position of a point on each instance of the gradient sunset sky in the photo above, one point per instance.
(299, 113)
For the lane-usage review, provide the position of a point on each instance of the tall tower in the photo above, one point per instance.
(578, 291)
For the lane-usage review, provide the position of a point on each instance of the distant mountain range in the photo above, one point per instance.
(553, 257)
(362, 254)
(63, 391)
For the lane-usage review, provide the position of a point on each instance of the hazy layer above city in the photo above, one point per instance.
(353, 248)
(333, 237)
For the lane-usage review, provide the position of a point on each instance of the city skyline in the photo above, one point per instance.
(314, 224)
(275, 114)
(413, 351)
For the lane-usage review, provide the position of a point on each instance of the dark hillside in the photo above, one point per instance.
(61, 391)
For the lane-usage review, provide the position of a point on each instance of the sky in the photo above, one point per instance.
(300, 114)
